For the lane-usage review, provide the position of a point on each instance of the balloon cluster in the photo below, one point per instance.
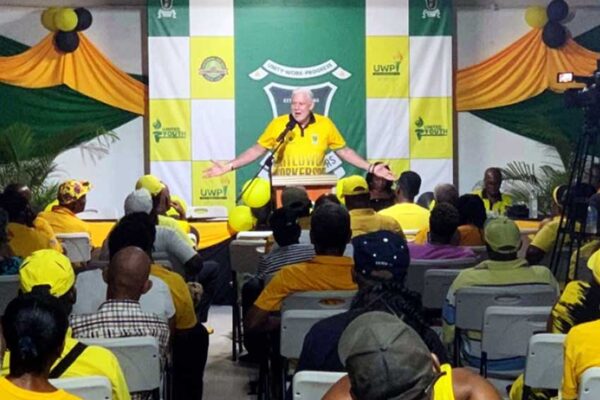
(551, 18)
(256, 194)
(66, 22)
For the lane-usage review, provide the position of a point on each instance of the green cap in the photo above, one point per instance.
(385, 358)
(502, 235)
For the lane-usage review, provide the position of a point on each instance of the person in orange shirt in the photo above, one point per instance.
(72, 196)
(472, 218)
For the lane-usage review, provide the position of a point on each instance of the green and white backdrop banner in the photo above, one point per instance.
(220, 70)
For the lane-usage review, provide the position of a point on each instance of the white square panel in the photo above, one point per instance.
(211, 17)
(387, 128)
(177, 175)
(386, 17)
(213, 130)
(432, 172)
(169, 67)
(431, 66)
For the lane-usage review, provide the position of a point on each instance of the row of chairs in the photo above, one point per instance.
(544, 368)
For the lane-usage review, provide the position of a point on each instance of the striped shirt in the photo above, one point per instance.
(281, 256)
(122, 318)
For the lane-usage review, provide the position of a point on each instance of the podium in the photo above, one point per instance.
(315, 185)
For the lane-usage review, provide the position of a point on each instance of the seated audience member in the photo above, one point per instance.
(386, 359)
(582, 351)
(380, 191)
(72, 196)
(190, 338)
(121, 314)
(23, 237)
(409, 215)
(328, 270)
(354, 191)
(426, 200)
(34, 329)
(176, 208)
(160, 203)
(9, 263)
(442, 193)
(443, 222)
(326, 198)
(296, 198)
(39, 224)
(503, 268)
(286, 232)
(494, 201)
(544, 239)
(381, 260)
(49, 272)
(472, 219)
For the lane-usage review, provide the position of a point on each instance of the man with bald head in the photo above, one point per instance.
(308, 137)
(494, 201)
(121, 315)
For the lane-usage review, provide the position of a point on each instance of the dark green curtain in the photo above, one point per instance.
(57, 113)
(545, 118)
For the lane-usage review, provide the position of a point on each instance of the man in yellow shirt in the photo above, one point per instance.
(48, 271)
(354, 192)
(582, 351)
(490, 194)
(329, 270)
(409, 215)
(72, 196)
(306, 139)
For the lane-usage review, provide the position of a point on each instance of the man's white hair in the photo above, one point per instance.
(305, 91)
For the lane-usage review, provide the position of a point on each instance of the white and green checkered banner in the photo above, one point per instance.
(220, 70)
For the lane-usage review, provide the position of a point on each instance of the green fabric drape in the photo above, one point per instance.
(52, 112)
(545, 118)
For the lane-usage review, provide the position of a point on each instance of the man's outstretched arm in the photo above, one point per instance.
(350, 156)
(245, 158)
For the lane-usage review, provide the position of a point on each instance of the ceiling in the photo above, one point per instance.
(139, 3)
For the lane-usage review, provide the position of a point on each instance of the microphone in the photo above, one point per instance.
(288, 128)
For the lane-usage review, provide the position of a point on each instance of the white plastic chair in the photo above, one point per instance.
(253, 235)
(88, 387)
(436, 285)
(319, 300)
(415, 276)
(471, 303)
(311, 385)
(9, 289)
(589, 386)
(77, 245)
(139, 358)
(208, 212)
(544, 363)
(506, 332)
(243, 258)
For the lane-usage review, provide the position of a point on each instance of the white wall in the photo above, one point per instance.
(480, 34)
(118, 34)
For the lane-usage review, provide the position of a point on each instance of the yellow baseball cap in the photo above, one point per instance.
(351, 185)
(594, 264)
(502, 235)
(72, 190)
(150, 183)
(47, 267)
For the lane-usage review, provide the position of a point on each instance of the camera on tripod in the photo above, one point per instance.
(586, 97)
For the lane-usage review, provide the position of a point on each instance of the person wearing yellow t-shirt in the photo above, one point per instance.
(386, 359)
(409, 215)
(34, 328)
(72, 197)
(354, 192)
(23, 236)
(47, 272)
(493, 199)
(309, 136)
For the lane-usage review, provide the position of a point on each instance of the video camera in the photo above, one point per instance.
(586, 97)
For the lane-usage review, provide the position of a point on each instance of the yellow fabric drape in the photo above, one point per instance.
(85, 70)
(524, 69)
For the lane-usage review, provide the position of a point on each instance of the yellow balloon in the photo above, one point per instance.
(48, 19)
(65, 19)
(258, 194)
(536, 16)
(241, 219)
